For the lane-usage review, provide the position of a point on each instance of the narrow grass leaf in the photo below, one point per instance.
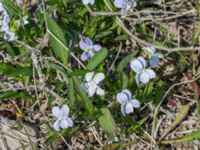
(182, 114)
(71, 94)
(136, 126)
(11, 95)
(188, 138)
(11, 8)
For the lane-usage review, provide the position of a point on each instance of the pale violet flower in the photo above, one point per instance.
(61, 114)
(24, 21)
(125, 5)
(10, 36)
(86, 2)
(4, 25)
(154, 57)
(127, 102)
(91, 85)
(89, 48)
(1, 7)
(143, 75)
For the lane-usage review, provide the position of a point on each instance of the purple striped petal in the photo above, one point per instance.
(56, 125)
(88, 41)
(96, 47)
(56, 112)
(154, 60)
(123, 109)
(129, 108)
(65, 110)
(84, 56)
(144, 77)
(84, 46)
(119, 3)
(150, 73)
(135, 103)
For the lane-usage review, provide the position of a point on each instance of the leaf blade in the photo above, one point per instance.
(107, 123)
(97, 59)
(56, 38)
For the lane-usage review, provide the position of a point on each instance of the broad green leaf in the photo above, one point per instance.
(84, 98)
(57, 40)
(123, 63)
(107, 123)
(188, 138)
(97, 59)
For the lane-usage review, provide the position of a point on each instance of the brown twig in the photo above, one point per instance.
(165, 95)
(144, 43)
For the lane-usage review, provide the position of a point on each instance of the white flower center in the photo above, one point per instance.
(62, 118)
(90, 50)
(92, 83)
(127, 6)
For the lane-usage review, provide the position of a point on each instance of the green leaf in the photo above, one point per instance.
(22, 71)
(11, 95)
(57, 40)
(103, 34)
(149, 89)
(97, 59)
(136, 126)
(13, 72)
(182, 62)
(121, 38)
(77, 73)
(6, 69)
(11, 8)
(107, 123)
(84, 98)
(159, 92)
(10, 49)
(123, 63)
(119, 146)
(123, 80)
(71, 93)
(188, 138)
(60, 70)
(52, 137)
